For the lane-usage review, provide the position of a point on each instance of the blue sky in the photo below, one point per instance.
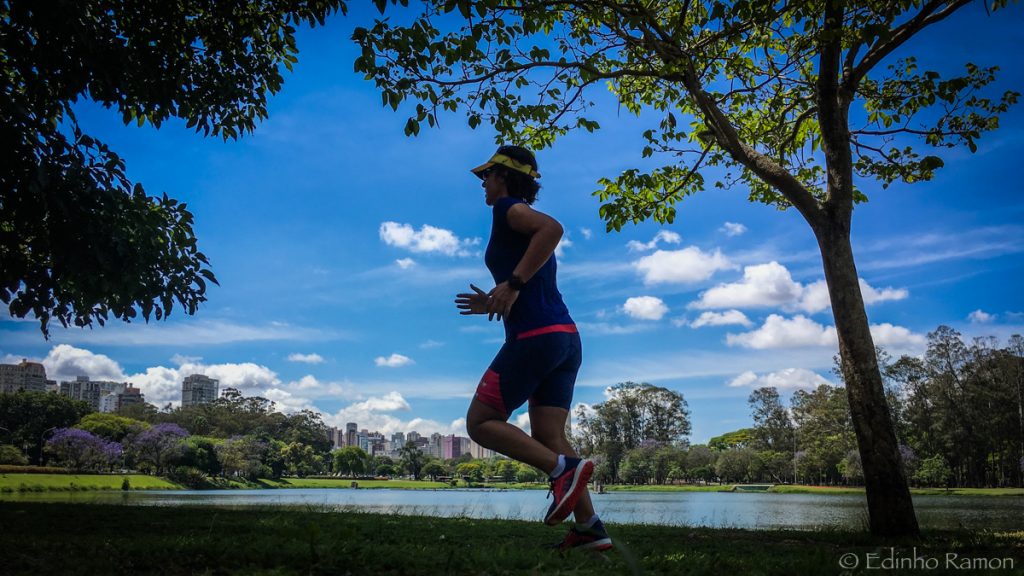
(324, 304)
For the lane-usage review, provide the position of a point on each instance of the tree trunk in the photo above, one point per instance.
(890, 508)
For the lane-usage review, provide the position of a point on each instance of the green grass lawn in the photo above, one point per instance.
(44, 482)
(103, 539)
(47, 482)
(799, 489)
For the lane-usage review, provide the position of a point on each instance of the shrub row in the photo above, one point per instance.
(11, 469)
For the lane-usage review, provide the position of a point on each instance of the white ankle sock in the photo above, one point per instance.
(560, 467)
(590, 523)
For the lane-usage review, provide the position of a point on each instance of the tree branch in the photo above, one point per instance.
(766, 168)
(882, 48)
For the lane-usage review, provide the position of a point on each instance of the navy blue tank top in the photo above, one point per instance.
(540, 303)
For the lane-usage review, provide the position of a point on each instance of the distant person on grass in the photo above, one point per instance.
(542, 351)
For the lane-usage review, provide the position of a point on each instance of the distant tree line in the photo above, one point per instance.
(958, 413)
(232, 437)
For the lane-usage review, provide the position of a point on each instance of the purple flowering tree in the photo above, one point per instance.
(81, 450)
(158, 449)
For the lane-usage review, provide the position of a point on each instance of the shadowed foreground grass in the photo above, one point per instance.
(43, 539)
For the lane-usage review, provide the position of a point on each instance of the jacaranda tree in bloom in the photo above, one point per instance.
(79, 241)
(158, 448)
(80, 450)
(797, 100)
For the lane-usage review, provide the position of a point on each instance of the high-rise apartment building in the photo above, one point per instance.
(28, 376)
(351, 434)
(454, 446)
(102, 395)
(198, 389)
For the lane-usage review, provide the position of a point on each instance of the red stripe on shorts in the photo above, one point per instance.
(488, 391)
(570, 328)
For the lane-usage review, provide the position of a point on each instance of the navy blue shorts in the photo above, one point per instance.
(541, 369)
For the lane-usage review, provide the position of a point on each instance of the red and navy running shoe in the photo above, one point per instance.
(594, 539)
(567, 488)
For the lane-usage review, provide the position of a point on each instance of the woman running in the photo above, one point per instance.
(541, 354)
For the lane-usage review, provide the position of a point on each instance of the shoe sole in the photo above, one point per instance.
(579, 482)
(601, 545)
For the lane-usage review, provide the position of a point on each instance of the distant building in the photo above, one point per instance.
(477, 451)
(454, 446)
(351, 435)
(436, 446)
(108, 403)
(131, 395)
(28, 376)
(336, 436)
(413, 436)
(398, 439)
(198, 389)
(100, 394)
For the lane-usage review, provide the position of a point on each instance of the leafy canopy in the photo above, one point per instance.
(729, 84)
(79, 241)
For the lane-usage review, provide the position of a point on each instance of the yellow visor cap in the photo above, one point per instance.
(508, 163)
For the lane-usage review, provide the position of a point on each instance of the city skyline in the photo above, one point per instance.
(339, 245)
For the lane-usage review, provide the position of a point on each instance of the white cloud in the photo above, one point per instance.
(896, 337)
(180, 359)
(787, 379)
(564, 243)
(744, 379)
(771, 285)
(979, 316)
(872, 295)
(307, 382)
(685, 266)
(587, 233)
(427, 239)
(393, 361)
(430, 344)
(645, 308)
(405, 263)
(390, 402)
(763, 285)
(65, 362)
(721, 319)
(306, 358)
(162, 385)
(800, 331)
(287, 402)
(522, 421)
(375, 414)
(733, 229)
(779, 332)
(666, 236)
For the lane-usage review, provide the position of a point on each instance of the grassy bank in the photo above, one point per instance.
(799, 489)
(47, 482)
(97, 539)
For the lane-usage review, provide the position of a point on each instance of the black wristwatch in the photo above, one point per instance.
(515, 282)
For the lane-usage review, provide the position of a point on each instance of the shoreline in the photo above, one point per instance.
(15, 483)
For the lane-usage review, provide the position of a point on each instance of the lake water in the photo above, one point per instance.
(712, 509)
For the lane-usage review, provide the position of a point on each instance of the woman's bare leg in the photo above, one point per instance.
(547, 425)
(487, 427)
